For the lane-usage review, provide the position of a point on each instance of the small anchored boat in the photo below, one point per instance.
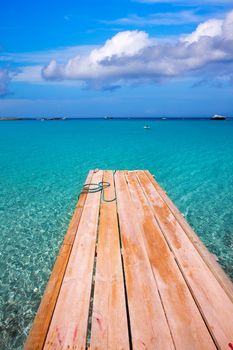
(218, 117)
(146, 126)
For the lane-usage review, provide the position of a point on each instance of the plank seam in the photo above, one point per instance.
(123, 273)
(147, 260)
(209, 264)
(146, 256)
(160, 297)
(185, 280)
(76, 230)
(27, 344)
(69, 324)
(91, 303)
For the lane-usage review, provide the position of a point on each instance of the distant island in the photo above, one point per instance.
(42, 119)
(5, 118)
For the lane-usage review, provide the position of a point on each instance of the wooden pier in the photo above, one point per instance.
(131, 274)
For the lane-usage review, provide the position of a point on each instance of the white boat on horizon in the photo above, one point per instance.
(218, 117)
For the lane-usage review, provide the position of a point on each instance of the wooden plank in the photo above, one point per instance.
(213, 302)
(149, 328)
(186, 324)
(202, 250)
(37, 335)
(68, 328)
(109, 320)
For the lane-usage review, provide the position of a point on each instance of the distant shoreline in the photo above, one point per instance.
(104, 118)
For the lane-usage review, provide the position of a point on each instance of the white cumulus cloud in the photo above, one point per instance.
(213, 28)
(132, 57)
(97, 67)
(123, 44)
(210, 28)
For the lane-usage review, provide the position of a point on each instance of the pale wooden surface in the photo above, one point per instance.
(109, 319)
(138, 272)
(206, 290)
(149, 326)
(38, 333)
(209, 259)
(178, 303)
(68, 327)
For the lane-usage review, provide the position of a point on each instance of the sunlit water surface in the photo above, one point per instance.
(44, 164)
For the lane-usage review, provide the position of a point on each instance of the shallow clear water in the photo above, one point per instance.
(42, 169)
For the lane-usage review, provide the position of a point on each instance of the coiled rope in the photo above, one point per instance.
(98, 187)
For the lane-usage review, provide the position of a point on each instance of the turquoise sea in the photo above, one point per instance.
(44, 164)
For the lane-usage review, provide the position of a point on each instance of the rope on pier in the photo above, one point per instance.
(98, 187)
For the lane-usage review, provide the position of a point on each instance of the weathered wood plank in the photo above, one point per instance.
(213, 302)
(177, 295)
(68, 328)
(201, 248)
(148, 323)
(109, 320)
(186, 324)
(37, 335)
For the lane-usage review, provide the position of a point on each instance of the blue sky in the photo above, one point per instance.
(120, 58)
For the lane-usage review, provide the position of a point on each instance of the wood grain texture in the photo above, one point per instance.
(187, 326)
(148, 323)
(68, 328)
(214, 304)
(37, 335)
(199, 246)
(109, 320)
(168, 294)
